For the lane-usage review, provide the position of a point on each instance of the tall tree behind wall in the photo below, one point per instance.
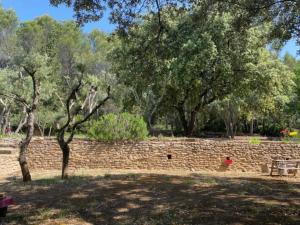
(197, 59)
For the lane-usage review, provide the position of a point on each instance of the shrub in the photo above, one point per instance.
(271, 130)
(118, 127)
(293, 134)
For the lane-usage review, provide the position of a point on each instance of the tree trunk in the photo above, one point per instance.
(230, 128)
(40, 129)
(227, 129)
(191, 126)
(5, 120)
(149, 123)
(50, 129)
(21, 124)
(23, 163)
(229, 115)
(182, 119)
(24, 146)
(252, 126)
(30, 110)
(65, 165)
(188, 126)
(64, 146)
(2, 116)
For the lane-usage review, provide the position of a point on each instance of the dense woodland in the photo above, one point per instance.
(186, 67)
(189, 79)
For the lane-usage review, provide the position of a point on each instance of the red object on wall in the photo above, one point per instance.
(228, 162)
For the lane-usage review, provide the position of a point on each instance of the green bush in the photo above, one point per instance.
(118, 127)
(271, 130)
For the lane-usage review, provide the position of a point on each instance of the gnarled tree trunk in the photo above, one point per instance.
(30, 110)
(24, 146)
(71, 126)
(64, 146)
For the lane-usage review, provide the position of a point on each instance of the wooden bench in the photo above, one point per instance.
(285, 167)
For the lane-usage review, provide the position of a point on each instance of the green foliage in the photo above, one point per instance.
(118, 127)
(263, 95)
(271, 129)
(283, 15)
(197, 60)
(203, 67)
(73, 180)
(254, 141)
(61, 54)
(9, 136)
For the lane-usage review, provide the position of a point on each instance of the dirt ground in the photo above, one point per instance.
(153, 198)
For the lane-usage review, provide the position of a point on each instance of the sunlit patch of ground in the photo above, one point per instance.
(153, 197)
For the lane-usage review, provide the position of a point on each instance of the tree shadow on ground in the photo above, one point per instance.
(155, 199)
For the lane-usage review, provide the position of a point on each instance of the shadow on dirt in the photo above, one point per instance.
(156, 199)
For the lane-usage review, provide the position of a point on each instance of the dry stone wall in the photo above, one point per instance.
(8, 157)
(175, 154)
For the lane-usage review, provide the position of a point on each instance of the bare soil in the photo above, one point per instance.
(153, 198)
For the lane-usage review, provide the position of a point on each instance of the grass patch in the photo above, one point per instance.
(129, 176)
(58, 180)
(64, 213)
(14, 136)
(254, 141)
(209, 180)
(295, 140)
(166, 178)
(189, 181)
(44, 213)
(16, 218)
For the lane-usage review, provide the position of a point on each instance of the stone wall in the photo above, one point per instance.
(9, 157)
(175, 154)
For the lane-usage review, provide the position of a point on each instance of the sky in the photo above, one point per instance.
(30, 9)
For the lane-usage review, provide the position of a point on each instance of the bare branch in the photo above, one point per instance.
(71, 97)
(16, 98)
(78, 123)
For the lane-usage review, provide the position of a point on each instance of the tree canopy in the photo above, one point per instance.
(174, 61)
(283, 14)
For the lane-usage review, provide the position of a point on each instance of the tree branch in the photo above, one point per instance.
(71, 97)
(16, 98)
(78, 123)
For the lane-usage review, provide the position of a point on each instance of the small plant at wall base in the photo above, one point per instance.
(254, 141)
(118, 127)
